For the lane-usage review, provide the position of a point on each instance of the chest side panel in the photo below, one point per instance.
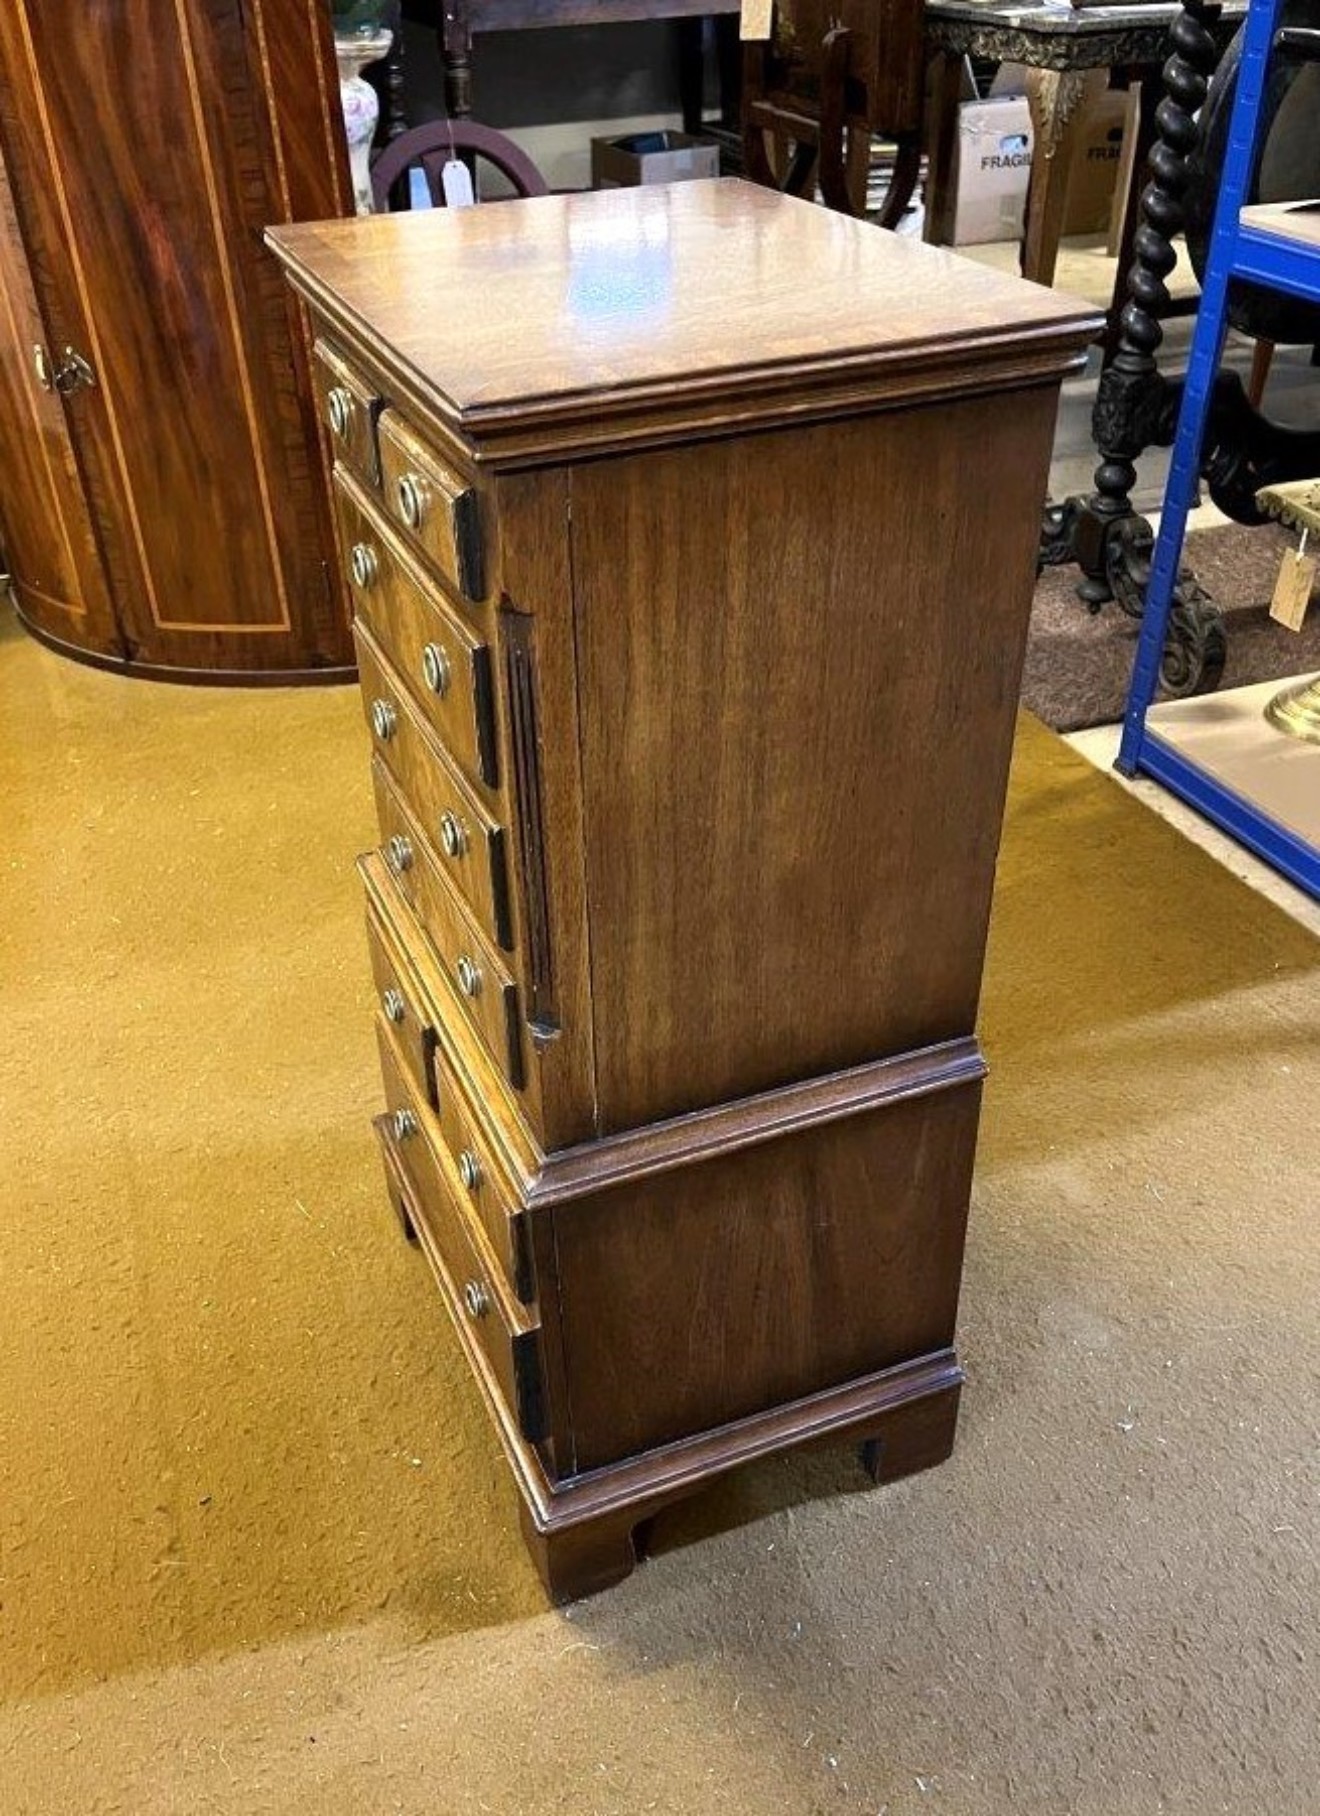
(798, 659)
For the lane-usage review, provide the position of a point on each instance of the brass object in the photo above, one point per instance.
(453, 835)
(394, 1006)
(469, 976)
(399, 854)
(1297, 503)
(339, 408)
(363, 565)
(384, 719)
(72, 374)
(1296, 710)
(411, 499)
(469, 1169)
(435, 669)
(476, 1300)
(404, 1124)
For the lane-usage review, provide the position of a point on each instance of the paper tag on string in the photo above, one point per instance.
(1292, 590)
(755, 20)
(456, 181)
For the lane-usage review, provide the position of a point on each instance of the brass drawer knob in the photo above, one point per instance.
(363, 565)
(469, 976)
(469, 1169)
(453, 835)
(399, 854)
(404, 1124)
(435, 669)
(339, 408)
(476, 1300)
(384, 719)
(394, 1006)
(412, 499)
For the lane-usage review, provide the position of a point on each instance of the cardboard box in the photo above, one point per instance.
(651, 157)
(1095, 164)
(992, 168)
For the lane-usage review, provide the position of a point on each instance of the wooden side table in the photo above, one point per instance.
(1063, 49)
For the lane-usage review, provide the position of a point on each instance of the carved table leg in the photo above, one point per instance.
(1058, 105)
(914, 1437)
(1135, 408)
(456, 58)
(581, 1560)
(943, 89)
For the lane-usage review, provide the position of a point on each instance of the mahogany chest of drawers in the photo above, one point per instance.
(690, 537)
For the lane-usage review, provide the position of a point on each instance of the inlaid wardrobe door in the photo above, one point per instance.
(49, 540)
(153, 152)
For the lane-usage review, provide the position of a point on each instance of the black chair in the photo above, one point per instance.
(433, 144)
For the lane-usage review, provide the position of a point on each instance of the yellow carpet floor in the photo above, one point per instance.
(257, 1547)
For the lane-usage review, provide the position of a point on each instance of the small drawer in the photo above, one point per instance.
(419, 1173)
(349, 407)
(436, 509)
(505, 1225)
(470, 845)
(399, 1001)
(481, 986)
(445, 668)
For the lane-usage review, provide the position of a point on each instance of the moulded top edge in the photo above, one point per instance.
(637, 298)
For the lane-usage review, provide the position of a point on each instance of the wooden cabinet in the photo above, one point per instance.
(724, 555)
(147, 145)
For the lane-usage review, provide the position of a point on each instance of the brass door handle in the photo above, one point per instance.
(72, 374)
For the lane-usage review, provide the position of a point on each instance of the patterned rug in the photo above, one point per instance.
(1079, 666)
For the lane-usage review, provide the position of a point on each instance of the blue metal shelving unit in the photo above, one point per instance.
(1284, 263)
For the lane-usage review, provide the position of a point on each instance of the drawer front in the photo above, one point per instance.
(400, 1002)
(482, 987)
(505, 1225)
(435, 508)
(503, 1331)
(446, 668)
(469, 844)
(349, 407)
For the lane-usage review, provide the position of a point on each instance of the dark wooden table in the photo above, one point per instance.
(1061, 47)
(458, 22)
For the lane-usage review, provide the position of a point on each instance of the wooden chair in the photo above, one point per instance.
(833, 75)
(431, 146)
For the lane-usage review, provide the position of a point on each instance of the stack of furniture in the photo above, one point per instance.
(161, 507)
(681, 524)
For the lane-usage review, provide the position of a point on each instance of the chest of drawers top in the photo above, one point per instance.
(612, 318)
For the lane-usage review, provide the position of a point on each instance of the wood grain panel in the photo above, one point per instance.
(143, 196)
(798, 660)
(790, 1268)
(49, 538)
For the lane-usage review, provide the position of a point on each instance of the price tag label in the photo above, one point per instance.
(756, 19)
(1292, 590)
(456, 181)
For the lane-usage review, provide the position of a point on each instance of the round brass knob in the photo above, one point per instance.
(476, 1300)
(469, 1169)
(339, 408)
(394, 1006)
(384, 719)
(404, 1124)
(399, 854)
(363, 565)
(469, 976)
(453, 835)
(412, 500)
(435, 669)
